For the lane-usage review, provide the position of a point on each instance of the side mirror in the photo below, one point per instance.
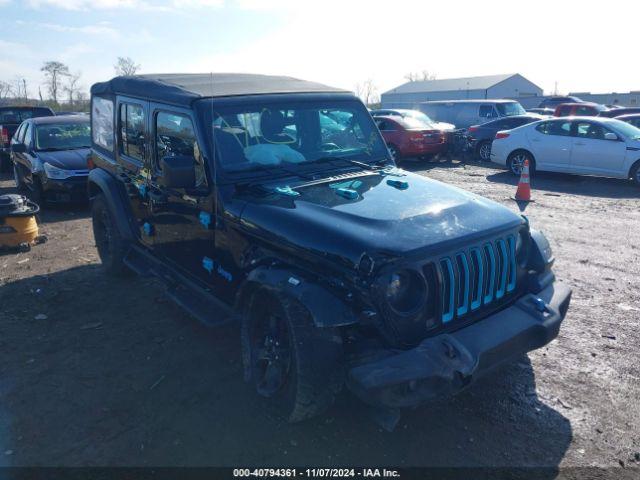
(610, 136)
(18, 148)
(178, 172)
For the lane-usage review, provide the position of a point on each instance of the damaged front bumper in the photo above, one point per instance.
(445, 364)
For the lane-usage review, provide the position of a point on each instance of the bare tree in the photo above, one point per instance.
(367, 92)
(19, 89)
(54, 72)
(420, 76)
(5, 89)
(126, 66)
(72, 87)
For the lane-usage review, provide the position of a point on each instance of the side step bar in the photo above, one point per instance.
(200, 303)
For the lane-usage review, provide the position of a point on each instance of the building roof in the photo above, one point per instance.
(451, 84)
(184, 88)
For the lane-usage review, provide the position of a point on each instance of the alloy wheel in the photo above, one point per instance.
(485, 151)
(517, 163)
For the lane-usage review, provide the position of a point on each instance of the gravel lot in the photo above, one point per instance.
(117, 375)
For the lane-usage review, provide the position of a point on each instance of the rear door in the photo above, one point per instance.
(551, 145)
(391, 132)
(592, 153)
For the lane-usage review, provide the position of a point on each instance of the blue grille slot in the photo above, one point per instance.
(512, 264)
(491, 272)
(464, 301)
(476, 301)
(447, 310)
(504, 267)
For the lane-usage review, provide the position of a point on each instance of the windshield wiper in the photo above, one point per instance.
(376, 165)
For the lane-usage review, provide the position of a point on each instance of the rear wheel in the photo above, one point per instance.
(635, 174)
(484, 151)
(291, 362)
(516, 161)
(111, 246)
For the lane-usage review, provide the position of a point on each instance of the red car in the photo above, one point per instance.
(409, 137)
(579, 110)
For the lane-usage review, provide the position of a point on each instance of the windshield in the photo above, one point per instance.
(510, 109)
(285, 134)
(422, 117)
(626, 129)
(15, 116)
(63, 136)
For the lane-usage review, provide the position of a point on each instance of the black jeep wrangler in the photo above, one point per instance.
(274, 202)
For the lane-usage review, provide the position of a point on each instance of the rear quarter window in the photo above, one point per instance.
(102, 122)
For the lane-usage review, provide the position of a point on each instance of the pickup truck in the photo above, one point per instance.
(10, 120)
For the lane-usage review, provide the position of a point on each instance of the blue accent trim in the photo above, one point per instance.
(147, 228)
(464, 307)
(491, 273)
(142, 190)
(399, 184)
(477, 298)
(448, 315)
(502, 285)
(205, 219)
(347, 193)
(208, 264)
(512, 264)
(288, 191)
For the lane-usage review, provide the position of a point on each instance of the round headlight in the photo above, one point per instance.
(406, 291)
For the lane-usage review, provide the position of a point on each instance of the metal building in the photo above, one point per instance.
(511, 85)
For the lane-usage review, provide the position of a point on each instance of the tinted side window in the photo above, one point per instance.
(589, 130)
(564, 111)
(27, 135)
(562, 129)
(486, 111)
(132, 131)
(102, 122)
(18, 136)
(585, 111)
(175, 135)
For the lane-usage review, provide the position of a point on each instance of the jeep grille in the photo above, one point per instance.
(478, 276)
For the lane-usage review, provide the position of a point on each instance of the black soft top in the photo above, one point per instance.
(184, 88)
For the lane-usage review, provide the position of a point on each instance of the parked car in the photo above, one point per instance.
(10, 118)
(542, 111)
(618, 112)
(479, 137)
(49, 156)
(633, 119)
(553, 102)
(409, 137)
(340, 268)
(417, 114)
(464, 113)
(583, 109)
(581, 145)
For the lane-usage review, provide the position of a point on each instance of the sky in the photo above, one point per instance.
(337, 42)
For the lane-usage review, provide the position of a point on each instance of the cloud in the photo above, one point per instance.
(166, 6)
(97, 29)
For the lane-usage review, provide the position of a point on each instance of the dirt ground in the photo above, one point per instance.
(95, 371)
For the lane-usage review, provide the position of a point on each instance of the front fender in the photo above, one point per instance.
(101, 181)
(326, 309)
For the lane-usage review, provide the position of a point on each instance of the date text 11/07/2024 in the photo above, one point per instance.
(316, 472)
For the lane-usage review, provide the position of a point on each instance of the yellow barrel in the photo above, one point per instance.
(17, 230)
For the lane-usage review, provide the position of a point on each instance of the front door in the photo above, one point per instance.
(181, 220)
(592, 153)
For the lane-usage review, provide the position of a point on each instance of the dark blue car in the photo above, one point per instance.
(480, 137)
(49, 156)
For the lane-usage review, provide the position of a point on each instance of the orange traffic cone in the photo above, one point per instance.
(523, 194)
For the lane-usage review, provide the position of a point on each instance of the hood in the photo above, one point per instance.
(382, 219)
(444, 126)
(66, 159)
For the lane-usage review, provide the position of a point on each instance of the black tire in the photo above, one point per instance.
(483, 151)
(292, 363)
(5, 163)
(393, 150)
(17, 178)
(112, 247)
(516, 160)
(36, 192)
(635, 174)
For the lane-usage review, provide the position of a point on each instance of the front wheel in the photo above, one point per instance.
(17, 178)
(393, 151)
(290, 362)
(112, 247)
(635, 174)
(516, 161)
